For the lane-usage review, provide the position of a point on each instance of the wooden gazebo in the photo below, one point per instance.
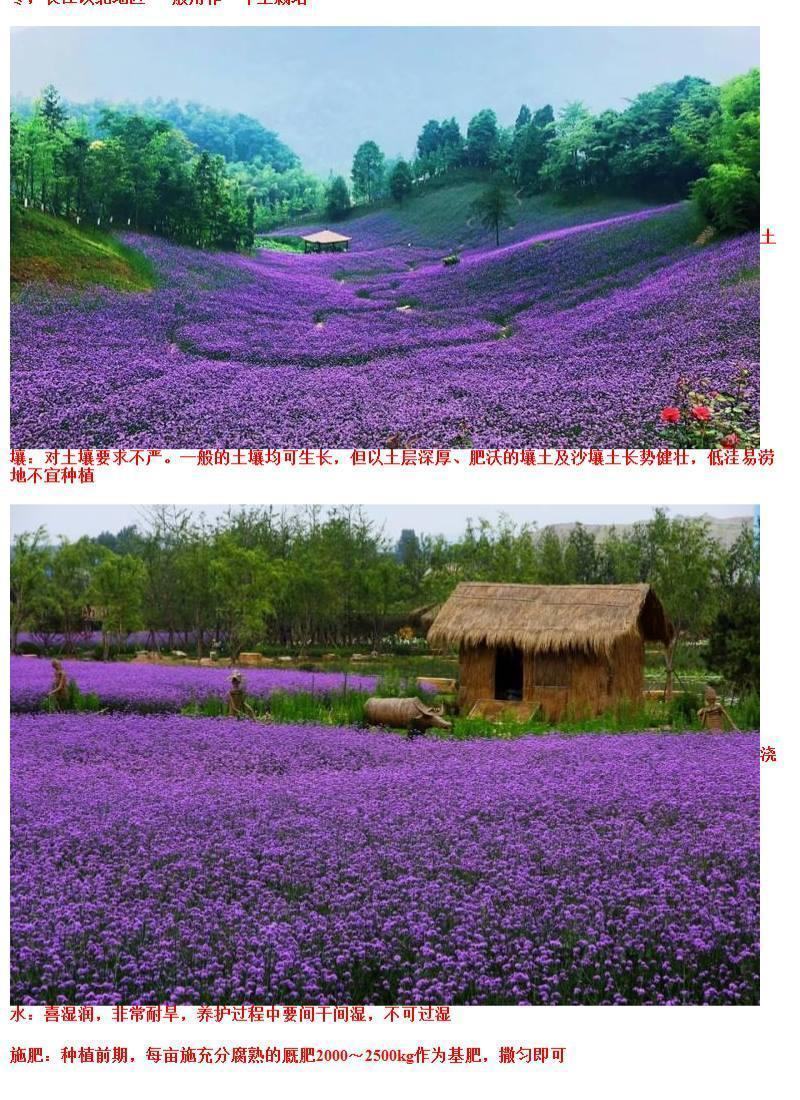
(326, 241)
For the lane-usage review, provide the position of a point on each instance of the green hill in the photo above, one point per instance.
(442, 217)
(48, 249)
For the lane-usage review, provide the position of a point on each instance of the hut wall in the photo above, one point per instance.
(627, 680)
(590, 686)
(476, 676)
(576, 682)
(572, 682)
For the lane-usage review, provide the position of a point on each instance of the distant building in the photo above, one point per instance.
(575, 649)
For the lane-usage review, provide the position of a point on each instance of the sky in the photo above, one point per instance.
(73, 521)
(327, 89)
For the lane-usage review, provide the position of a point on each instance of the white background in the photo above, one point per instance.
(619, 1052)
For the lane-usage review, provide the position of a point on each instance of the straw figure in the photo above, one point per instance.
(59, 693)
(237, 705)
(713, 715)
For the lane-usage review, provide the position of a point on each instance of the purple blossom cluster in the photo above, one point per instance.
(169, 859)
(124, 685)
(137, 639)
(571, 337)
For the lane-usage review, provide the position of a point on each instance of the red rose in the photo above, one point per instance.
(670, 415)
(729, 441)
(701, 412)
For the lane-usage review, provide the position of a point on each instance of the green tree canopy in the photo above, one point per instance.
(368, 171)
(261, 576)
(483, 139)
(734, 646)
(116, 591)
(337, 199)
(31, 594)
(400, 181)
(728, 195)
(493, 206)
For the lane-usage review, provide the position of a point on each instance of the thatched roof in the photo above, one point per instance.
(326, 236)
(542, 617)
(423, 617)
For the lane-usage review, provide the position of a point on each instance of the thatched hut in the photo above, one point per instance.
(575, 649)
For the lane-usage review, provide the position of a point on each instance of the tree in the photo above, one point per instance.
(728, 195)
(566, 159)
(72, 574)
(482, 139)
(580, 556)
(528, 154)
(31, 595)
(116, 592)
(429, 140)
(740, 120)
(680, 558)
(337, 199)
(440, 147)
(523, 118)
(544, 117)
(244, 583)
(551, 567)
(451, 143)
(492, 206)
(261, 576)
(52, 109)
(734, 643)
(128, 540)
(208, 186)
(400, 182)
(172, 601)
(76, 163)
(196, 607)
(368, 171)
(250, 223)
(132, 166)
(697, 124)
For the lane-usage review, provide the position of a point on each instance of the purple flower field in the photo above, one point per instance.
(153, 687)
(168, 859)
(137, 639)
(571, 337)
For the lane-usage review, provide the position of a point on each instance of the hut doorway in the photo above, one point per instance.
(508, 673)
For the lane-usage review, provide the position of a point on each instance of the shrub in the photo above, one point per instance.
(704, 418)
(728, 197)
(683, 710)
(747, 711)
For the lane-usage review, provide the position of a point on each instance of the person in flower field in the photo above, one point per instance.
(713, 715)
(238, 707)
(59, 692)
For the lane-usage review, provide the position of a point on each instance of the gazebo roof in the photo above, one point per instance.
(326, 236)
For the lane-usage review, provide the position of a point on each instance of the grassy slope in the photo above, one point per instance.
(442, 218)
(47, 249)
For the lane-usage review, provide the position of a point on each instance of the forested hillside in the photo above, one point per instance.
(202, 177)
(678, 139)
(236, 137)
(215, 179)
